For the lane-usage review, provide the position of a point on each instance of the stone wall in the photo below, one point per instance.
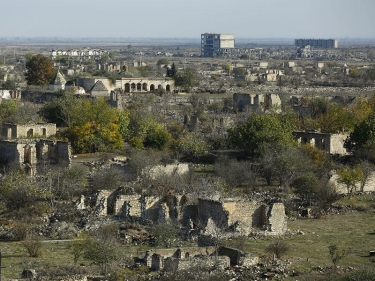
(330, 143)
(128, 206)
(249, 213)
(276, 223)
(15, 131)
(32, 153)
(197, 263)
(252, 102)
(234, 214)
(238, 257)
(169, 169)
(212, 209)
(241, 215)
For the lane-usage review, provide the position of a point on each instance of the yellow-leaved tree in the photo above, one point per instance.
(95, 126)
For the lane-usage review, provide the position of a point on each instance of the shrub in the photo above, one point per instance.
(164, 233)
(20, 231)
(278, 248)
(33, 246)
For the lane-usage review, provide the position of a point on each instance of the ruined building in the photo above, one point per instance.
(254, 102)
(216, 45)
(16, 131)
(330, 143)
(317, 43)
(227, 214)
(20, 148)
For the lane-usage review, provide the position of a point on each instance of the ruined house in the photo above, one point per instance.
(241, 215)
(235, 215)
(16, 131)
(57, 83)
(33, 154)
(198, 257)
(22, 149)
(254, 102)
(330, 143)
(99, 90)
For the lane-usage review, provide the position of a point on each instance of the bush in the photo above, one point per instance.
(136, 142)
(164, 233)
(33, 246)
(20, 231)
(278, 248)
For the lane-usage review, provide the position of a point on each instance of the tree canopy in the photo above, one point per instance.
(363, 134)
(39, 70)
(186, 78)
(95, 126)
(259, 130)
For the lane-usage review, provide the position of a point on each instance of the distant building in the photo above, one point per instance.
(216, 45)
(330, 143)
(317, 43)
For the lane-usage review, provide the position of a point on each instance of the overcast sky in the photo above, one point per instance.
(188, 18)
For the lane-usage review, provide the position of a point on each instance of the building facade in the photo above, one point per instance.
(317, 43)
(216, 45)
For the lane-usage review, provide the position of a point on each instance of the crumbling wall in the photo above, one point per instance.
(169, 169)
(249, 213)
(238, 257)
(212, 209)
(277, 223)
(157, 262)
(150, 208)
(100, 203)
(330, 143)
(197, 263)
(128, 206)
(32, 153)
(15, 131)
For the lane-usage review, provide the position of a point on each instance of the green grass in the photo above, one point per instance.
(352, 231)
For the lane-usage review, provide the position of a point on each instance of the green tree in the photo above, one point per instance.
(158, 138)
(227, 68)
(336, 119)
(171, 72)
(164, 234)
(163, 61)
(7, 108)
(59, 109)
(39, 70)
(336, 254)
(260, 130)
(142, 126)
(102, 248)
(192, 145)
(306, 185)
(186, 78)
(350, 177)
(363, 134)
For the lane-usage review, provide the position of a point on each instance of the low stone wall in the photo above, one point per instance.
(197, 262)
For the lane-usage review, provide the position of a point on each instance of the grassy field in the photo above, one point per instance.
(353, 231)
